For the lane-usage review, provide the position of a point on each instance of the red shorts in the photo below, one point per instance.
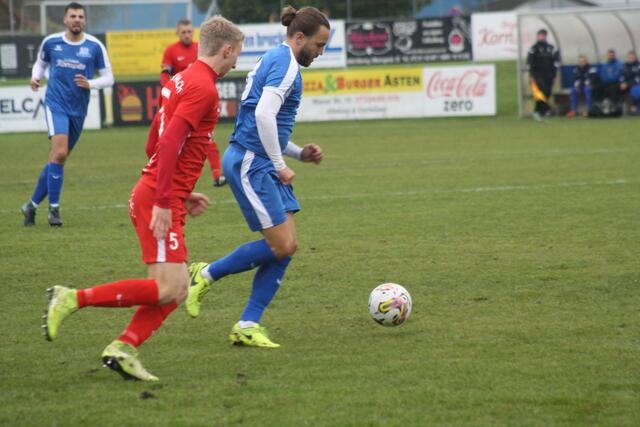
(173, 248)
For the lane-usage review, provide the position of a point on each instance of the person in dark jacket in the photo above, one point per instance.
(630, 80)
(610, 74)
(543, 62)
(585, 77)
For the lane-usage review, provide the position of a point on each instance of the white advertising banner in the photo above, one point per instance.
(261, 37)
(362, 93)
(460, 91)
(494, 36)
(361, 106)
(22, 110)
(384, 93)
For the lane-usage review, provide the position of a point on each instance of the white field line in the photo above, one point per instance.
(488, 189)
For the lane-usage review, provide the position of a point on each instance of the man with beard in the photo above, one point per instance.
(543, 62)
(72, 58)
(258, 175)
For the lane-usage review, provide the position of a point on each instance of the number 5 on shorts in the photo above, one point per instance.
(173, 241)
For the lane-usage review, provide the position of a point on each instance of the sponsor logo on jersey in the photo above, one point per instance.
(84, 52)
(70, 63)
(57, 48)
(180, 58)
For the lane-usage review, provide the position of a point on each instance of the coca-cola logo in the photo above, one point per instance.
(470, 84)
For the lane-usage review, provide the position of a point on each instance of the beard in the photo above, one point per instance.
(304, 57)
(75, 30)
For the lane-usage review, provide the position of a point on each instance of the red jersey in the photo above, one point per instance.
(179, 57)
(192, 96)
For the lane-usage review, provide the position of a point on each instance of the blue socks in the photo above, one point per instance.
(55, 177)
(49, 183)
(266, 281)
(265, 285)
(41, 187)
(245, 257)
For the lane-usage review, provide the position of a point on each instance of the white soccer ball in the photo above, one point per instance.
(390, 304)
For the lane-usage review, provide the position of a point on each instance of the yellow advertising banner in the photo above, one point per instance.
(139, 52)
(363, 80)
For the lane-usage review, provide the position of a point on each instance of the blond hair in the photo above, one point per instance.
(215, 32)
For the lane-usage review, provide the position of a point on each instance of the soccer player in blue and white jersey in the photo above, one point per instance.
(258, 175)
(72, 58)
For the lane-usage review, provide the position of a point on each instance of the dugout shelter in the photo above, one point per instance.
(589, 31)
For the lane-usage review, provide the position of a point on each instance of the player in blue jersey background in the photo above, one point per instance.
(71, 59)
(258, 175)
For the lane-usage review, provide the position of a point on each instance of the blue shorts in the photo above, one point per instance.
(63, 124)
(263, 199)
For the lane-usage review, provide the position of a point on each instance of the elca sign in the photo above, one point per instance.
(22, 110)
(460, 91)
(494, 36)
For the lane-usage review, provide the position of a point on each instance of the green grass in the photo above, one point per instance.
(518, 241)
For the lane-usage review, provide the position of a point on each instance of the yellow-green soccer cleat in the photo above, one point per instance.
(123, 358)
(198, 288)
(62, 302)
(255, 336)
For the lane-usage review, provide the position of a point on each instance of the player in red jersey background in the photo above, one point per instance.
(159, 204)
(177, 58)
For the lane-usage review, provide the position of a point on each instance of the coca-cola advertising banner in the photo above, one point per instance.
(410, 41)
(384, 93)
(135, 103)
(460, 91)
(495, 36)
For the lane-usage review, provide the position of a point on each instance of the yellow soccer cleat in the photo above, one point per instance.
(255, 336)
(62, 302)
(198, 288)
(123, 358)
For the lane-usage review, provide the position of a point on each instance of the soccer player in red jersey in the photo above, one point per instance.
(159, 204)
(177, 58)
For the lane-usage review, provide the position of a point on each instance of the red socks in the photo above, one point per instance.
(123, 293)
(146, 320)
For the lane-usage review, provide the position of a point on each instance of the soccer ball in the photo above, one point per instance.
(390, 304)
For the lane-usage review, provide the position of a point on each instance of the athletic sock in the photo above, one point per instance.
(243, 258)
(145, 321)
(246, 324)
(40, 192)
(55, 177)
(265, 285)
(123, 293)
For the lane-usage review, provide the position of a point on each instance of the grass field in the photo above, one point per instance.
(518, 241)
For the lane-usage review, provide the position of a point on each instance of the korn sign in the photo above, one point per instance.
(495, 36)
